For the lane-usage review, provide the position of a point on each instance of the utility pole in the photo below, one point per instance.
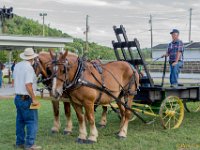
(5, 13)
(86, 35)
(48, 29)
(1, 24)
(151, 30)
(43, 15)
(190, 24)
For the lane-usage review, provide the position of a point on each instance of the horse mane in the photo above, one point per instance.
(47, 53)
(72, 54)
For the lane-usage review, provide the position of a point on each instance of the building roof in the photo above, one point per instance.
(160, 46)
(187, 45)
(194, 45)
(21, 42)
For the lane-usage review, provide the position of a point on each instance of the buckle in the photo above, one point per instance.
(24, 97)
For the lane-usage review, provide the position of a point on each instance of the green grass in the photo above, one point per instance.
(5, 80)
(140, 136)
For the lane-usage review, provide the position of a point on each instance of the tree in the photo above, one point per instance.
(23, 26)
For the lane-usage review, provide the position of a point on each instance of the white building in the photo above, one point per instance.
(191, 53)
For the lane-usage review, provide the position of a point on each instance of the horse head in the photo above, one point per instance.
(43, 68)
(60, 71)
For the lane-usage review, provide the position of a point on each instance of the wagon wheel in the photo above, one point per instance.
(192, 106)
(171, 112)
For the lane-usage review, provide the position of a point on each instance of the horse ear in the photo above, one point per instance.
(65, 54)
(51, 52)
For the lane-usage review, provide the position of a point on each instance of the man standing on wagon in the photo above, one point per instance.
(175, 52)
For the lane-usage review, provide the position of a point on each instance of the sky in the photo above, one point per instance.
(69, 16)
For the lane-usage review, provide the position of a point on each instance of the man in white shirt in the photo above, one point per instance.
(25, 85)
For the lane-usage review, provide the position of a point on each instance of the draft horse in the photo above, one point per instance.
(87, 87)
(43, 68)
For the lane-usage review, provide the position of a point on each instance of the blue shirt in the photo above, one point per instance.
(173, 48)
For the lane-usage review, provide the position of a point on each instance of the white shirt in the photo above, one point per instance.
(24, 74)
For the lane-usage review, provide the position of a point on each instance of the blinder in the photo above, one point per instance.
(56, 63)
(35, 65)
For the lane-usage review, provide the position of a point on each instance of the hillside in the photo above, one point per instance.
(23, 26)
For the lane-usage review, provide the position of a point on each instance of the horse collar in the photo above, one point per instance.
(75, 82)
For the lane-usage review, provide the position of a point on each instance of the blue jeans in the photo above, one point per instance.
(1, 77)
(174, 72)
(1, 82)
(25, 118)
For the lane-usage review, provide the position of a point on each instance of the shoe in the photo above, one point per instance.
(174, 85)
(18, 146)
(34, 147)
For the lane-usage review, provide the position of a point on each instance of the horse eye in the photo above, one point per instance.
(48, 71)
(64, 71)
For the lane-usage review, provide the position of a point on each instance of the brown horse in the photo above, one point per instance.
(43, 67)
(118, 77)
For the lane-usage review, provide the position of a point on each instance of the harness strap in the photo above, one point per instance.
(117, 99)
(97, 101)
(79, 81)
(73, 85)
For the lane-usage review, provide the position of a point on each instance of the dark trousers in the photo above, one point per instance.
(25, 118)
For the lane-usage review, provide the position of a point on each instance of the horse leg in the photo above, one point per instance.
(103, 121)
(82, 126)
(124, 127)
(89, 110)
(122, 112)
(68, 128)
(56, 124)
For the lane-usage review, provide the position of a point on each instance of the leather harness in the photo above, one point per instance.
(79, 80)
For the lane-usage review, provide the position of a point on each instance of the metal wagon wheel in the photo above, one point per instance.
(171, 112)
(192, 106)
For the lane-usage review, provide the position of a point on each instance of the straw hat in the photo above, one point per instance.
(28, 54)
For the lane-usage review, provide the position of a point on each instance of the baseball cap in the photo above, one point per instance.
(174, 31)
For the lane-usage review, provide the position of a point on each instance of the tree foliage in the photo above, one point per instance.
(23, 26)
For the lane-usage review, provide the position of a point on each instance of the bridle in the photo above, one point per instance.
(55, 64)
(43, 76)
(67, 84)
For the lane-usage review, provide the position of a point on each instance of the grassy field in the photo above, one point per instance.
(140, 136)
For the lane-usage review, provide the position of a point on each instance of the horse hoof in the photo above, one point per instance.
(101, 126)
(121, 137)
(67, 132)
(90, 142)
(54, 132)
(116, 133)
(81, 141)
